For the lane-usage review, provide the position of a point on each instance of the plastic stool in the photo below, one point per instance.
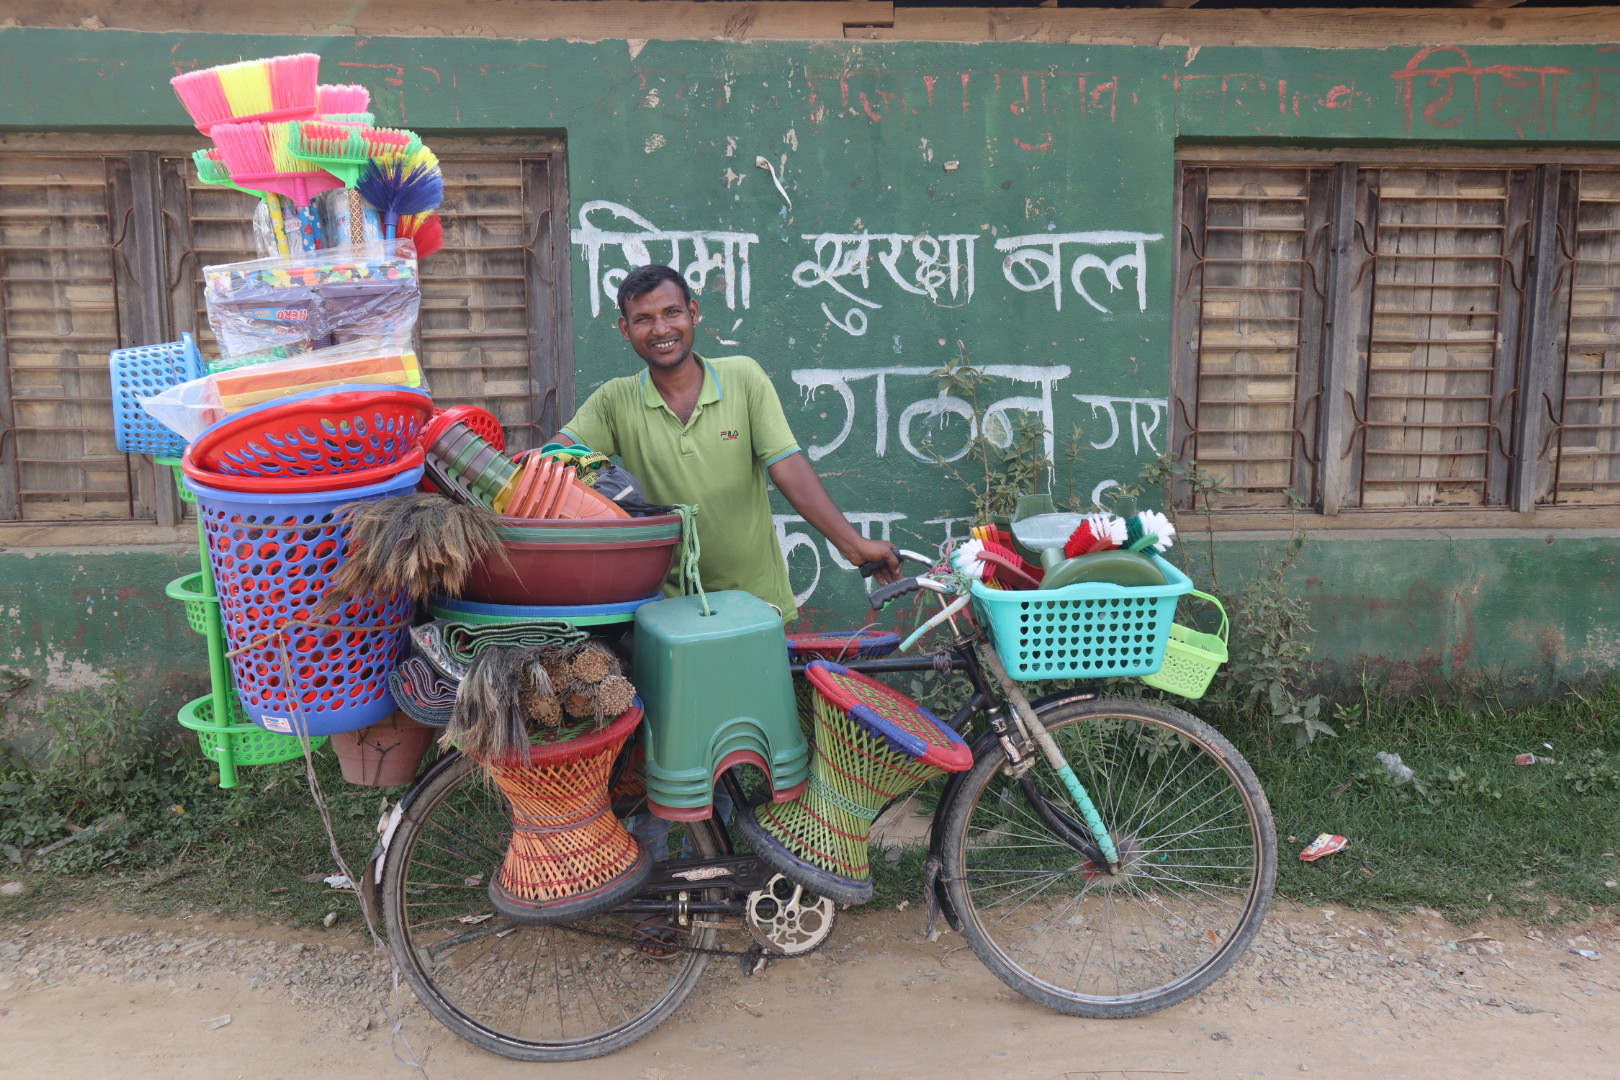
(718, 693)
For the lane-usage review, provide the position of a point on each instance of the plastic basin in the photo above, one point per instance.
(577, 562)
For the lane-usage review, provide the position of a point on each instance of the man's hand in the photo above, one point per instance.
(880, 551)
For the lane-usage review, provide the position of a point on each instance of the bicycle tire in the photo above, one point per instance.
(1199, 857)
(531, 993)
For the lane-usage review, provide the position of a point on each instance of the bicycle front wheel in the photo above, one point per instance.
(534, 993)
(1198, 860)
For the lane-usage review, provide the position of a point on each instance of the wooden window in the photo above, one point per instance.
(103, 247)
(1382, 337)
(1582, 462)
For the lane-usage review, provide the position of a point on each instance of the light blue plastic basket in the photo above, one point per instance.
(146, 371)
(1087, 631)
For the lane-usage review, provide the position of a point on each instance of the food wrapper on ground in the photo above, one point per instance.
(1325, 844)
(191, 407)
(306, 301)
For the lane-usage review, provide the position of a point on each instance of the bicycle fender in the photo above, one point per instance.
(986, 743)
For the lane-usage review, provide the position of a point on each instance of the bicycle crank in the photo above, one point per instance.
(786, 919)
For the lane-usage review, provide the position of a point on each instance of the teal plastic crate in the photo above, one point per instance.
(1091, 630)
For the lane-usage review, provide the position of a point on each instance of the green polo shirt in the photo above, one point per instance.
(716, 460)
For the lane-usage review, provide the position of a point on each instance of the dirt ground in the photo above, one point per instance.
(1334, 994)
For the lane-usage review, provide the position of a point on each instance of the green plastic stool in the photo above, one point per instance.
(718, 692)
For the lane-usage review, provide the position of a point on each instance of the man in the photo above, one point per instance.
(694, 430)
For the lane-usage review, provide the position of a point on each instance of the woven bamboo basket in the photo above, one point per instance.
(872, 744)
(569, 855)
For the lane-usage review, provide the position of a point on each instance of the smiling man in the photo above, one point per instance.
(696, 430)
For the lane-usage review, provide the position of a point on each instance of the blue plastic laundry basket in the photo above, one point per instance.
(146, 371)
(273, 558)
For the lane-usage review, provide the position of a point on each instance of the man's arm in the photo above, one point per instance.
(796, 478)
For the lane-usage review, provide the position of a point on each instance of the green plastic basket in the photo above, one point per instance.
(247, 743)
(186, 494)
(188, 589)
(1191, 657)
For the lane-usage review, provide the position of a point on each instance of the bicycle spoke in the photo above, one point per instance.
(1195, 850)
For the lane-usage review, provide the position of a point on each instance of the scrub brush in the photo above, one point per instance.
(993, 564)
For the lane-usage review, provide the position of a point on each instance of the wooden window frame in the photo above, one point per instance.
(152, 253)
(1537, 343)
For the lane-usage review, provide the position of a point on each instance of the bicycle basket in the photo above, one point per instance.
(1092, 630)
(1191, 657)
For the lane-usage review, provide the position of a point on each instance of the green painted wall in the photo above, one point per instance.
(1013, 201)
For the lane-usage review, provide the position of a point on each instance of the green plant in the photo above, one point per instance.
(1009, 452)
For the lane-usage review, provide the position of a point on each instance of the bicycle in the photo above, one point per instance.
(1133, 902)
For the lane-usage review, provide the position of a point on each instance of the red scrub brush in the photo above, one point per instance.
(992, 563)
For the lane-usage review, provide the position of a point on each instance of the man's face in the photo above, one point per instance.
(659, 325)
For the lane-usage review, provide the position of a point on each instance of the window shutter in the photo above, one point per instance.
(1447, 278)
(61, 217)
(1253, 298)
(491, 314)
(1582, 463)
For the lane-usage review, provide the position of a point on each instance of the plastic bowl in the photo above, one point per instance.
(577, 563)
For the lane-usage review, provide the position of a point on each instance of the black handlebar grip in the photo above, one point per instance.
(881, 596)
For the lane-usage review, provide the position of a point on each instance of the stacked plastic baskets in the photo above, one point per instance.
(225, 735)
(269, 482)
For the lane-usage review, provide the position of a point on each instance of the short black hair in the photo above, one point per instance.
(644, 279)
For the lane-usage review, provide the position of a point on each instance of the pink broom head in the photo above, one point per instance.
(424, 231)
(258, 158)
(342, 98)
(293, 85)
(277, 88)
(350, 119)
(203, 98)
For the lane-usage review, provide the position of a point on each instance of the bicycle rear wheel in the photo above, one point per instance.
(1198, 861)
(534, 993)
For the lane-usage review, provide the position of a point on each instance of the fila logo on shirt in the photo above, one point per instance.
(727, 436)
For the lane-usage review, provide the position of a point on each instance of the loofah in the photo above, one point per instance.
(592, 662)
(419, 542)
(615, 694)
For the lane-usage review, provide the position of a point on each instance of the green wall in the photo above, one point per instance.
(1039, 179)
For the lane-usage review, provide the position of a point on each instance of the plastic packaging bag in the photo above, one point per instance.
(339, 212)
(314, 300)
(191, 407)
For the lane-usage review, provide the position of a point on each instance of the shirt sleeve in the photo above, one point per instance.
(772, 437)
(592, 424)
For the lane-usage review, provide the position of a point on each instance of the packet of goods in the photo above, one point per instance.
(1325, 844)
(313, 299)
(191, 407)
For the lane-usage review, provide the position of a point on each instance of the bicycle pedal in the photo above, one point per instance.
(758, 964)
